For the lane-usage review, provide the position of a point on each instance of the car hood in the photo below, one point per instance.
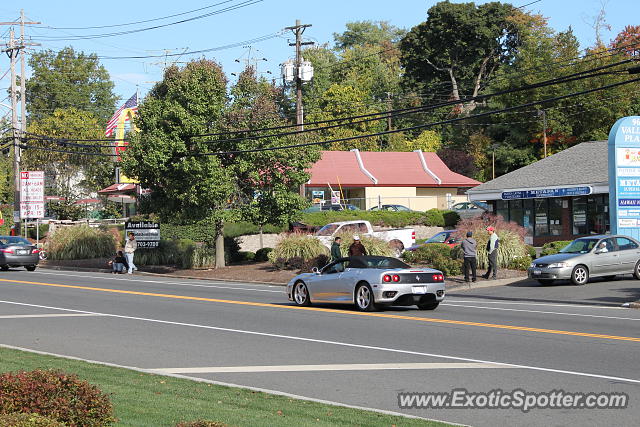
(550, 259)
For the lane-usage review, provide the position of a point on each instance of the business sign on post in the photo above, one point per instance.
(147, 233)
(624, 176)
(32, 194)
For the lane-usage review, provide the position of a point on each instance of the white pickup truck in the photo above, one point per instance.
(398, 239)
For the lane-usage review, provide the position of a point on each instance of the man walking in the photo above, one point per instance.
(469, 250)
(129, 248)
(357, 248)
(335, 249)
(492, 251)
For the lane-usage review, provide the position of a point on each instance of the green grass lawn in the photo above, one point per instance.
(143, 399)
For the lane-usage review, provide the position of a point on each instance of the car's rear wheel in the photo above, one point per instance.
(397, 246)
(579, 275)
(364, 298)
(31, 268)
(4, 267)
(301, 294)
(429, 305)
(636, 271)
(545, 281)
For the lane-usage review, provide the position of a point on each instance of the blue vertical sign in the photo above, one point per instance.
(624, 177)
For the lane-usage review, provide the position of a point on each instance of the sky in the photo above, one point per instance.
(237, 29)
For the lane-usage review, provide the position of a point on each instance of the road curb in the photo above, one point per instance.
(465, 286)
(148, 273)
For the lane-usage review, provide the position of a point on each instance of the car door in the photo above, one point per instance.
(605, 262)
(628, 254)
(323, 287)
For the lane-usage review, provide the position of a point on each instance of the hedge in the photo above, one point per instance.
(552, 248)
(433, 217)
(435, 255)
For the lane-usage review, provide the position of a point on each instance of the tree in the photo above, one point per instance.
(68, 174)
(68, 79)
(458, 48)
(362, 33)
(427, 141)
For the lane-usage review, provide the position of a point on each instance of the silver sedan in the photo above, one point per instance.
(371, 282)
(593, 256)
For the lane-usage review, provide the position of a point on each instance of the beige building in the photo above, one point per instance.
(420, 181)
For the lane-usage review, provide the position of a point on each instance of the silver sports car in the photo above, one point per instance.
(587, 257)
(371, 282)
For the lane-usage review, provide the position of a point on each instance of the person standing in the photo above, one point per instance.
(129, 249)
(357, 248)
(469, 250)
(492, 252)
(335, 249)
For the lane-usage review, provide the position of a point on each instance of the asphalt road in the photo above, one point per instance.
(528, 337)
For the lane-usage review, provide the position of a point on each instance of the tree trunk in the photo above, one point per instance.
(220, 262)
(261, 241)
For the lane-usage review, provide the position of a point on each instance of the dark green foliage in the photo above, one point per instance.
(520, 263)
(553, 247)
(243, 228)
(58, 395)
(435, 255)
(43, 230)
(263, 254)
(245, 256)
(450, 218)
(66, 210)
(532, 252)
(434, 217)
(181, 253)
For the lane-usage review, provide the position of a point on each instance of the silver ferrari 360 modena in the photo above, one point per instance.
(369, 282)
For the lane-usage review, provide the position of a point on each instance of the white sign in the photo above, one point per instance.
(627, 222)
(335, 197)
(31, 194)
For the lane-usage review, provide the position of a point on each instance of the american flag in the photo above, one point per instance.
(112, 124)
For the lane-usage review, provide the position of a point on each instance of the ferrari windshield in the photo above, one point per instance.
(579, 246)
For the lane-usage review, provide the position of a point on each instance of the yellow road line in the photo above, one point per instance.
(329, 310)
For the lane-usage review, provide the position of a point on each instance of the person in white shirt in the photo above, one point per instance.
(129, 249)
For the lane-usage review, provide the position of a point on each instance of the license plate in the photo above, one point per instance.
(22, 252)
(537, 271)
(419, 289)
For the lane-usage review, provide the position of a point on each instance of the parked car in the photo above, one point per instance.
(448, 237)
(470, 209)
(593, 256)
(18, 252)
(369, 282)
(398, 238)
(393, 208)
(346, 207)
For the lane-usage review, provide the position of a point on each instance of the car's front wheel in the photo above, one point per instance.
(636, 271)
(301, 294)
(429, 305)
(364, 298)
(579, 275)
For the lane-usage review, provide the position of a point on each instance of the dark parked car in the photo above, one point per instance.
(470, 209)
(18, 252)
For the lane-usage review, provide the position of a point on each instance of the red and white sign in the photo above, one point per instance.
(32, 194)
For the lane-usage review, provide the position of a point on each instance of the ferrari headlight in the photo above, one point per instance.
(559, 265)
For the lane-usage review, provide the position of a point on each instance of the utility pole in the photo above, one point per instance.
(543, 113)
(13, 50)
(298, 30)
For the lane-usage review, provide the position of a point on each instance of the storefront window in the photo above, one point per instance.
(598, 214)
(555, 217)
(502, 209)
(516, 212)
(542, 219)
(528, 217)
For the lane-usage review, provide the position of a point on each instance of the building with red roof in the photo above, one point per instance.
(417, 180)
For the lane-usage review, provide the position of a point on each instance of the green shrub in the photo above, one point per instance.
(80, 242)
(6, 212)
(552, 248)
(373, 245)
(57, 395)
(451, 218)
(200, 423)
(297, 246)
(435, 255)
(434, 218)
(511, 237)
(532, 252)
(243, 228)
(520, 263)
(19, 419)
(201, 231)
(246, 256)
(263, 254)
